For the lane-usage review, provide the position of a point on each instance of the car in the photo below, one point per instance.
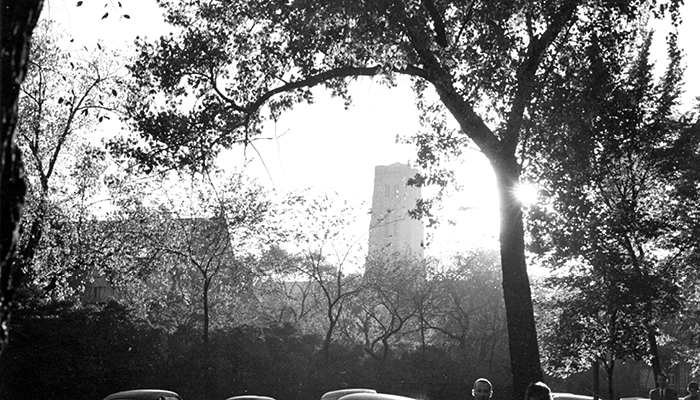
(374, 396)
(336, 394)
(250, 397)
(571, 396)
(144, 394)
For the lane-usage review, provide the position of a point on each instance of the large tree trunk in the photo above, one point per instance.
(522, 334)
(18, 21)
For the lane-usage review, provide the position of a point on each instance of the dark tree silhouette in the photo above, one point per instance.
(18, 21)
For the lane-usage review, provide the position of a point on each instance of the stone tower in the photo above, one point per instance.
(391, 228)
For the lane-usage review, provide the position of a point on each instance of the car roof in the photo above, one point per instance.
(570, 396)
(250, 397)
(374, 396)
(336, 394)
(144, 394)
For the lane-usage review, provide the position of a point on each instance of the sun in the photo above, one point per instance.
(526, 193)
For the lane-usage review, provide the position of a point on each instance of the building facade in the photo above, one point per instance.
(392, 229)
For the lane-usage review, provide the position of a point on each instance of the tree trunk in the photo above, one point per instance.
(611, 371)
(596, 379)
(653, 351)
(205, 312)
(332, 321)
(522, 335)
(18, 21)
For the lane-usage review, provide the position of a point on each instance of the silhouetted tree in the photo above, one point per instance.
(18, 21)
(619, 220)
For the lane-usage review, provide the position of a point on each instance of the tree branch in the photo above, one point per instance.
(525, 74)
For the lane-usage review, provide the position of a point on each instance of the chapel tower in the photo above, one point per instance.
(392, 229)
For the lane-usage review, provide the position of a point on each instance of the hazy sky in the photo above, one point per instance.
(323, 145)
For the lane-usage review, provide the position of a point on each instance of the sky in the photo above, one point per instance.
(329, 148)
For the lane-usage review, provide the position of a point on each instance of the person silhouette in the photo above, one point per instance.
(538, 391)
(662, 391)
(692, 391)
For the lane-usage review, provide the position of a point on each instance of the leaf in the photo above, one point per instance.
(126, 16)
(80, 3)
(119, 3)
(105, 16)
(114, 92)
(60, 100)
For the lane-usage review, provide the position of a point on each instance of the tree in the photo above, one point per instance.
(485, 63)
(282, 298)
(63, 98)
(18, 22)
(391, 305)
(467, 308)
(584, 320)
(318, 232)
(684, 329)
(191, 246)
(621, 209)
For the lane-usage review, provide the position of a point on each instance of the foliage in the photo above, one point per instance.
(86, 352)
(319, 234)
(79, 352)
(466, 308)
(192, 249)
(114, 8)
(620, 222)
(681, 333)
(64, 98)
(389, 308)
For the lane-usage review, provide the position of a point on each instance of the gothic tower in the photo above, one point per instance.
(391, 228)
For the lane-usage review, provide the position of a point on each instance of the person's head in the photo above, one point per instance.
(538, 391)
(693, 388)
(662, 380)
(482, 389)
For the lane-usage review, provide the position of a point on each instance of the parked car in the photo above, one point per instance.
(374, 396)
(144, 394)
(336, 394)
(571, 396)
(250, 397)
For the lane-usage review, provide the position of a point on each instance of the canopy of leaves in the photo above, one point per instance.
(232, 64)
(65, 96)
(188, 247)
(619, 169)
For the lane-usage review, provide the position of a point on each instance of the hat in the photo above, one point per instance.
(692, 385)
